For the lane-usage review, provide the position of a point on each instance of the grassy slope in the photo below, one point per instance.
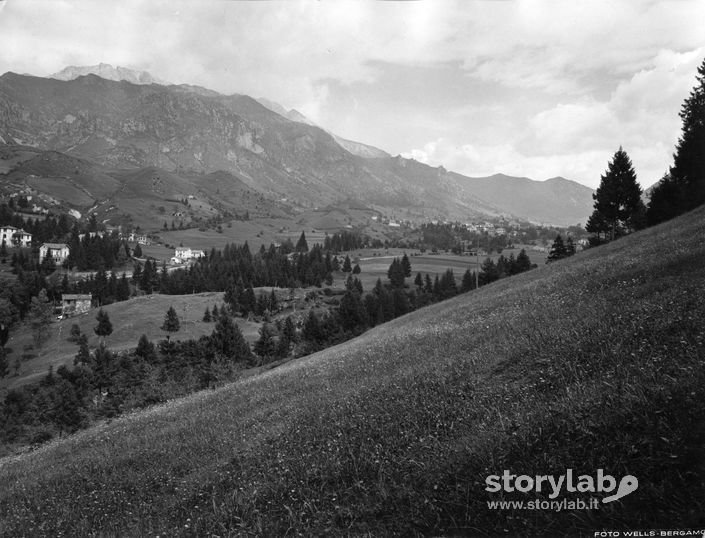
(130, 319)
(594, 362)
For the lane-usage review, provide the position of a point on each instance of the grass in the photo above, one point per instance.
(130, 319)
(594, 362)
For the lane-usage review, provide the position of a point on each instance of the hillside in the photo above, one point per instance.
(186, 129)
(556, 200)
(594, 362)
(148, 309)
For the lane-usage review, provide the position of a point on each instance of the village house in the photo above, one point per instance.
(182, 254)
(73, 303)
(59, 252)
(12, 236)
(138, 238)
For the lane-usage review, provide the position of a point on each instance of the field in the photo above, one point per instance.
(130, 319)
(594, 362)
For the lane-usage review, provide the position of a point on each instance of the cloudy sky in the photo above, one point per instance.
(538, 88)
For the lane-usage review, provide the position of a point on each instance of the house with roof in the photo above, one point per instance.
(14, 237)
(75, 303)
(59, 252)
(182, 254)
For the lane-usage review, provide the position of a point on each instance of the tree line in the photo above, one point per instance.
(618, 205)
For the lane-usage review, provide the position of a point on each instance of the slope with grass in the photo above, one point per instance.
(594, 362)
(130, 319)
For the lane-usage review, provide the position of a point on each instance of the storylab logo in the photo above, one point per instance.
(563, 484)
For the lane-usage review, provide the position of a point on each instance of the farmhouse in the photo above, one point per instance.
(141, 239)
(12, 236)
(58, 251)
(182, 254)
(72, 303)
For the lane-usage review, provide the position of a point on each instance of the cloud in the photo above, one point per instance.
(540, 87)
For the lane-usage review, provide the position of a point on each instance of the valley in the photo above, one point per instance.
(218, 318)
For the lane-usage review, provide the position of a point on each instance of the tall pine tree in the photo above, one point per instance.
(683, 188)
(618, 208)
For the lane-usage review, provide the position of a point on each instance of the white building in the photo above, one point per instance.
(14, 237)
(58, 251)
(182, 254)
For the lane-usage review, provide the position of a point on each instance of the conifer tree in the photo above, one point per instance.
(312, 329)
(227, 339)
(83, 356)
(418, 282)
(104, 327)
(265, 346)
(618, 208)
(347, 265)
(302, 245)
(395, 273)
(207, 315)
(145, 349)
(523, 262)
(171, 322)
(683, 188)
(468, 281)
(558, 250)
(406, 265)
(41, 317)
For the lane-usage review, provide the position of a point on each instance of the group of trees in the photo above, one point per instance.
(618, 208)
(683, 187)
(103, 383)
(561, 249)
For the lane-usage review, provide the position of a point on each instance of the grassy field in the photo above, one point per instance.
(130, 319)
(594, 362)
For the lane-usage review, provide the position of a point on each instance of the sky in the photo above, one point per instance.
(521, 87)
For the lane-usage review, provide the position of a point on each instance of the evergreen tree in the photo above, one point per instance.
(227, 339)
(40, 311)
(83, 356)
(406, 265)
(352, 314)
(171, 322)
(418, 282)
(356, 270)
(104, 327)
(207, 316)
(347, 265)
(301, 244)
(146, 350)
(75, 332)
(523, 262)
(395, 273)
(618, 208)
(289, 330)
(312, 329)
(468, 281)
(137, 253)
(683, 188)
(265, 346)
(558, 250)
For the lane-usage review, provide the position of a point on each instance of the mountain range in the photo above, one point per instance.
(120, 119)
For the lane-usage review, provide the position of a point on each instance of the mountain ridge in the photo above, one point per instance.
(181, 127)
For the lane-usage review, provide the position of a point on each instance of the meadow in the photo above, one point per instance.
(593, 362)
(130, 319)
